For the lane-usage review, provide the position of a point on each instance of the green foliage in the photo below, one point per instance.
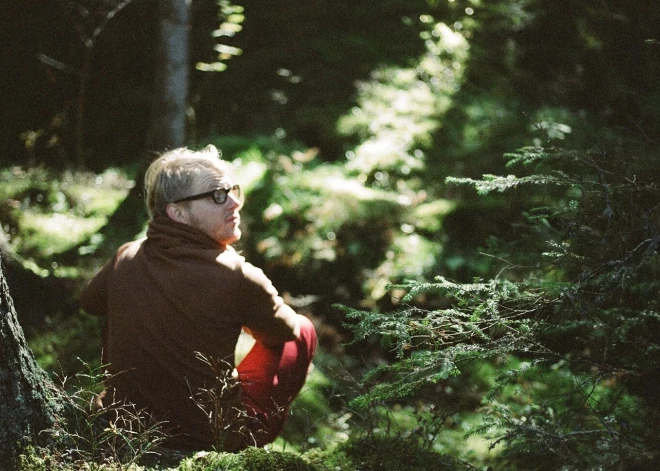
(313, 420)
(44, 214)
(319, 224)
(113, 437)
(387, 454)
(569, 308)
(60, 345)
(251, 459)
(582, 311)
(553, 416)
(36, 459)
(232, 19)
(400, 108)
(432, 344)
(377, 454)
(496, 183)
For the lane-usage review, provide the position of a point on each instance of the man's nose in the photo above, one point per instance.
(233, 201)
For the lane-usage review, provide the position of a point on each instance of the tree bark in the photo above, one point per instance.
(168, 123)
(28, 405)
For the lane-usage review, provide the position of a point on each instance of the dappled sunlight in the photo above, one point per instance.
(330, 201)
(400, 109)
(248, 174)
(54, 233)
(337, 184)
(428, 216)
(385, 153)
(471, 310)
(410, 257)
(324, 216)
(46, 214)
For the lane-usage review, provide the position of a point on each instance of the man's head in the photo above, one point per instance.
(195, 188)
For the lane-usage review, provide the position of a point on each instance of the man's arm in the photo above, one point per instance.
(267, 317)
(94, 296)
(289, 328)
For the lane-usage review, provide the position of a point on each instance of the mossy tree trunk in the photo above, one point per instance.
(27, 403)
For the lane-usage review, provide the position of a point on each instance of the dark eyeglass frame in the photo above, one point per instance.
(219, 195)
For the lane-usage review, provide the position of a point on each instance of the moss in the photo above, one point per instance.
(391, 454)
(251, 459)
(34, 458)
(335, 460)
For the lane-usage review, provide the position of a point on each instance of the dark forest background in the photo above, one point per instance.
(461, 194)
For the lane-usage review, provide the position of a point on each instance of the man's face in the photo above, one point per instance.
(219, 221)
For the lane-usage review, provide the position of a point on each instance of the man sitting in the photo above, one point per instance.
(182, 295)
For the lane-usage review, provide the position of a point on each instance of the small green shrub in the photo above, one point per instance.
(95, 437)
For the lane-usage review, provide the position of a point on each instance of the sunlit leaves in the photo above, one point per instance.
(399, 109)
(491, 183)
(233, 18)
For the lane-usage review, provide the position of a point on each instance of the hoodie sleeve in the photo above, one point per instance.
(94, 296)
(266, 316)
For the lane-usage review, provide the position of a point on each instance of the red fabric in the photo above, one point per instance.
(271, 377)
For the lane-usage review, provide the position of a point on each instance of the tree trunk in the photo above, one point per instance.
(168, 122)
(27, 403)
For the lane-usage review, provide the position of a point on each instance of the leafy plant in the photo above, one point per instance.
(575, 300)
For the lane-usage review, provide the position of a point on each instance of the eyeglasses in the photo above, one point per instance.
(219, 195)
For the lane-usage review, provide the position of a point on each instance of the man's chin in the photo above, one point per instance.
(235, 237)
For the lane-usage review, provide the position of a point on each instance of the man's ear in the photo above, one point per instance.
(177, 213)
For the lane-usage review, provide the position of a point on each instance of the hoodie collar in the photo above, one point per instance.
(166, 232)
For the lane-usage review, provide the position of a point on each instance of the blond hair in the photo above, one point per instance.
(171, 176)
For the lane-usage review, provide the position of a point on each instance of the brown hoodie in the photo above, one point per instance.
(167, 297)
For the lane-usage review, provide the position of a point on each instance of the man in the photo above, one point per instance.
(175, 303)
